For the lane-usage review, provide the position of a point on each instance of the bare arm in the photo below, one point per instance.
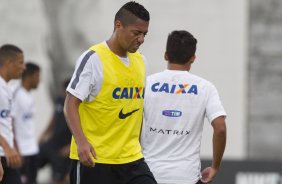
(65, 151)
(1, 171)
(84, 148)
(12, 156)
(219, 141)
(14, 132)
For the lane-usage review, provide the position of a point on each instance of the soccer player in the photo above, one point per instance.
(176, 103)
(11, 67)
(104, 105)
(55, 142)
(23, 114)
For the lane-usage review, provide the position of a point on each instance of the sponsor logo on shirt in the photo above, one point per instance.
(27, 116)
(175, 88)
(172, 113)
(122, 115)
(128, 93)
(5, 113)
(170, 131)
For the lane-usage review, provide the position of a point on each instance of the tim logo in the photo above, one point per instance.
(5, 113)
(27, 116)
(172, 113)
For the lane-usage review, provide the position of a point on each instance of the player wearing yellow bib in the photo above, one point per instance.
(104, 105)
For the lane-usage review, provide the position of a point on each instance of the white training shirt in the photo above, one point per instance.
(88, 76)
(176, 103)
(5, 114)
(23, 114)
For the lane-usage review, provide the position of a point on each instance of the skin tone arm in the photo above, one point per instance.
(84, 148)
(14, 132)
(11, 155)
(219, 141)
(65, 151)
(1, 172)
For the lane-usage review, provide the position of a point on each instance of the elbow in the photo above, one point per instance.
(219, 127)
(221, 134)
(221, 130)
(67, 106)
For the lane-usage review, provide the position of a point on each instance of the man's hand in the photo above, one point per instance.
(85, 150)
(86, 153)
(208, 175)
(13, 157)
(65, 151)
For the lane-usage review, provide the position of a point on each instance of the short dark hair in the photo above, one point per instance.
(30, 69)
(180, 47)
(8, 51)
(125, 13)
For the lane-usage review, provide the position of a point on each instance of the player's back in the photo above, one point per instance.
(174, 112)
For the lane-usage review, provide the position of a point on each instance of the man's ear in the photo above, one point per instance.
(165, 56)
(118, 24)
(192, 59)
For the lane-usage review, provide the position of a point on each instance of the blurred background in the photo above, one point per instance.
(239, 50)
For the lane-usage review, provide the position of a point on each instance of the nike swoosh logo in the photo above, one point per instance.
(123, 116)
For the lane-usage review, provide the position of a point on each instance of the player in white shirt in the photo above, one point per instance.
(11, 67)
(176, 103)
(23, 114)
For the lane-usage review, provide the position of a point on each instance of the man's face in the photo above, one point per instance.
(132, 36)
(35, 79)
(16, 66)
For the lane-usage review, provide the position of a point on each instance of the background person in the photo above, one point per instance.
(23, 114)
(55, 142)
(11, 67)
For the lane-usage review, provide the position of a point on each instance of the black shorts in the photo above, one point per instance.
(136, 172)
(11, 176)
(60, 165)
(29, 169)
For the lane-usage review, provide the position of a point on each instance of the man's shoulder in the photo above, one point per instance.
(86, 56)
(155, 75)
(200, 79)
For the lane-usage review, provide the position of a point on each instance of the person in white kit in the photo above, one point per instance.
(23, 114)
(176, 103)
(11, 67)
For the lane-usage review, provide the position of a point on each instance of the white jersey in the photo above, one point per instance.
(176, 103)
(23, 114)
(5, 114)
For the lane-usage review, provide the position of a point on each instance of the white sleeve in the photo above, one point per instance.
(214, 107)
(15, 109)
(83, 78)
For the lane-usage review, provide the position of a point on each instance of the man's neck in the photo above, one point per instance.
(115, 48)
(26, 85)
(4, 74)
(173, 66)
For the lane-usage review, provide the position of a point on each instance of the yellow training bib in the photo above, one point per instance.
(112, 121)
